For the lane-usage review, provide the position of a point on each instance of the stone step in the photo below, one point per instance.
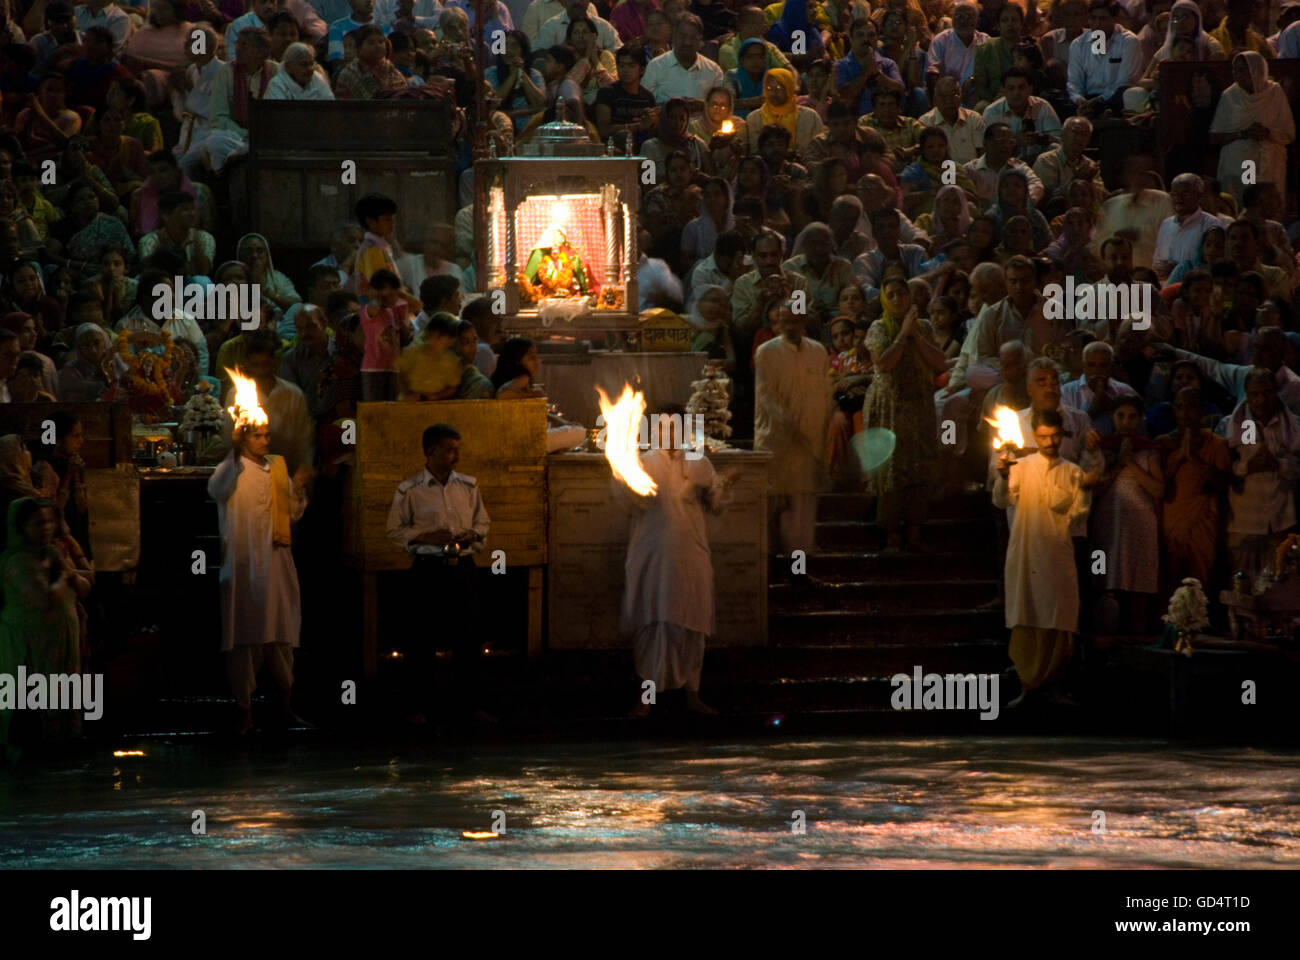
(956, 535)
(921, 628)
(881, 595)
(862, 507)
(844, 565)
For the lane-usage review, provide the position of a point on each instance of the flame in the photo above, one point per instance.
(478, 835)
(1007, 424)
(727, 127)
(247, 411)
(623, 439)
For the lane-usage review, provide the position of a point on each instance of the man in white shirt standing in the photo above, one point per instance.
(792, 413)
(683, 71)
(1104, 61)
(1179, 237)
(102, 13)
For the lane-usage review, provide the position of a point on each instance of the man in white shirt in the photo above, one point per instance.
(1102, 67)
(965, 128)
(1137, 212)
(999, 152)
(1179, 237)
(553, 30)
(1031, 119)
(792, 413)
(102, 13)
(683, 71)
(439, 518)
(952, 52)
(539, 11)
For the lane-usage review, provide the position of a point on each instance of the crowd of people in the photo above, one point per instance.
(857, 206)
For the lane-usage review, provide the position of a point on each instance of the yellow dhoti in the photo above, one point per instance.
(1040, 655)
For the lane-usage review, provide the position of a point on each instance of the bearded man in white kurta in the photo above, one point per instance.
(1042, 605)
(792, 415)
(668, 589)
(261, 611)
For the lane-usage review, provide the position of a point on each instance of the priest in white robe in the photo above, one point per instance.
(668, 589)
(261, 610)
(1042, 588)
(792, 416)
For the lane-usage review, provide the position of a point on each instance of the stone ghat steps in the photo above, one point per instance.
(881, 594)
(920, 627)
(970, 535)
(865, 565)
(862, 507)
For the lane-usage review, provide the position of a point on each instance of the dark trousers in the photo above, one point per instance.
(442, 600)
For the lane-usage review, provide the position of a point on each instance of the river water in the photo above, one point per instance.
(866, 802)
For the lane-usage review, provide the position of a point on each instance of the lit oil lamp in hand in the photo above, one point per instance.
(1008, 440)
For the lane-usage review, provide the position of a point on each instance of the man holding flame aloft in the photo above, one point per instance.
(1042, 602)
(668, 591)
(260, 604)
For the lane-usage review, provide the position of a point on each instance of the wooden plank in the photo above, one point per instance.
(534, 612)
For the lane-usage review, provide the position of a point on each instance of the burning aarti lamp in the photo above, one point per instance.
(1008, 438)
(247, 409)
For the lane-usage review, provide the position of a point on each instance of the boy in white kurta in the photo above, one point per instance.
(1042, 606)
(261, 611)
(668, 588)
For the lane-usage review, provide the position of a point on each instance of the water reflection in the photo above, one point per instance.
(867, 803)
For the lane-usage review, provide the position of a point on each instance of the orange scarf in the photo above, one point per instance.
(280, 535)
(788, 115)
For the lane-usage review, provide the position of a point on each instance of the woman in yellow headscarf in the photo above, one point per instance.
(900, 400)
(781, 109)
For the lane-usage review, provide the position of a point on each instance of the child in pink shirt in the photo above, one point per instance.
(384, 323)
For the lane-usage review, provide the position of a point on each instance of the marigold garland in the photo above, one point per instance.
(156, 384)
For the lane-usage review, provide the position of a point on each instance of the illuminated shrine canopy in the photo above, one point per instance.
(561, 241)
